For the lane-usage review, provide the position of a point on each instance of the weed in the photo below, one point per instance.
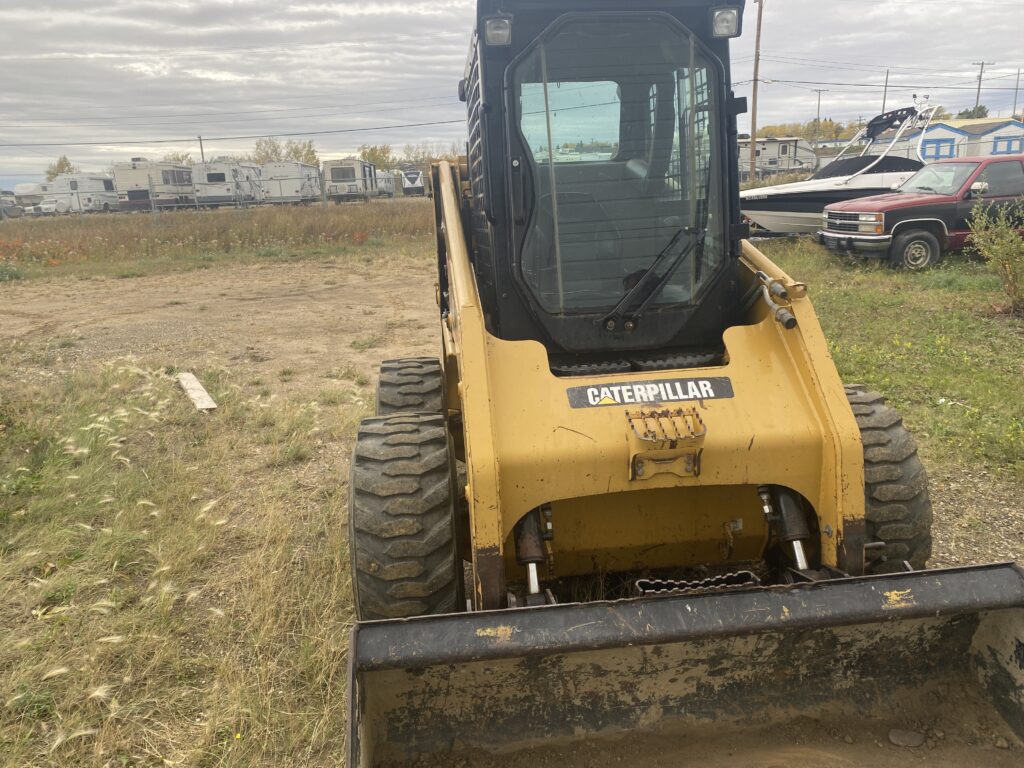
(286, 374)
(995, 233)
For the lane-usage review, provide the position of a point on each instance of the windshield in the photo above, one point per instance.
(940, 179)
(618, 126)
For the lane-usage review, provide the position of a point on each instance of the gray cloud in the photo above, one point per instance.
(127, 70)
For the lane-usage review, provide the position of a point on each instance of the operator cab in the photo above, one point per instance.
(604, 211)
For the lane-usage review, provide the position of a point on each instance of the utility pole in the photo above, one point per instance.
(753, 100)
(817, 120)
(1016, 92)
(885, 93)
(201, 153)
(981, 74)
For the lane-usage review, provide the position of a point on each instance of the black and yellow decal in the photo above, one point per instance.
(657, 392)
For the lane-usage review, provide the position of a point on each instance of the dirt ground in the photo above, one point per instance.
(294, 324)
(304, 319)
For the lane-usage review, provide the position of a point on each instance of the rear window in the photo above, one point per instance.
(343, 174)
(213, 178)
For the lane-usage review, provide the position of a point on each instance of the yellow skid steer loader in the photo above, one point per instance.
(633, 505)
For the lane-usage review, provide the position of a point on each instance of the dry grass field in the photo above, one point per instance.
(174, 586)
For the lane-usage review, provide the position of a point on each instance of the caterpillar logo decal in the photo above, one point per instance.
(654, 392)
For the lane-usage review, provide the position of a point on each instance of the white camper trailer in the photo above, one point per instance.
(143, 185)
(69, 193)
(385, 183)
(350, 179)
(413, 183)
(227, 182)
(290, 182)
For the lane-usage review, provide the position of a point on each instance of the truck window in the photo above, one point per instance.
(1004, 179)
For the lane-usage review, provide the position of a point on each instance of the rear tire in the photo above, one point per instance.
(410, 384)
(402, 519)
(897, 507)
(915, 250)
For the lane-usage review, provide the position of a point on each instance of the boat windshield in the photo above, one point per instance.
(848, 166)
(618, 126)
(939, 179)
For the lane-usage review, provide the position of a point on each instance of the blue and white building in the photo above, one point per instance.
(965, 138)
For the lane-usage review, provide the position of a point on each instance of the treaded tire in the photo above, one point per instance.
(410, 384)
(897, 507)
(402, 519)
(915, 250)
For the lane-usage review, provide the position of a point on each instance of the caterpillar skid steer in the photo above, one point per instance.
(633, 508)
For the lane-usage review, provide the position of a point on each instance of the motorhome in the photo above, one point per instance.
(385, 183)
(350, 179)
(225, 181)
(290, 181)
(144, 185)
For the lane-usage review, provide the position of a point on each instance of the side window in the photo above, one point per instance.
(167, 177)
(1004, 179)
(108, 185)
(74, 186)
(784, 149)
(571, 122)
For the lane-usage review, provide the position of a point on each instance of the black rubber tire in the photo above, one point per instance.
(402, 519)
(897, 507)
(915, 250)
(410, 384)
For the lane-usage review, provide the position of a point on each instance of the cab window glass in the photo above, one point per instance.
(1004, 179)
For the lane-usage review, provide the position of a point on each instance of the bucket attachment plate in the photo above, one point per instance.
(499, 681)
(665, 441)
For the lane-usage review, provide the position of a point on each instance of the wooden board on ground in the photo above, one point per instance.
(196, 392)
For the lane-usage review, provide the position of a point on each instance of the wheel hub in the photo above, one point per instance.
(917, 254)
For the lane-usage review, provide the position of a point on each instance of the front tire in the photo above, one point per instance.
(410, 384)
(897, 507)
(915, 250)
(402, 519)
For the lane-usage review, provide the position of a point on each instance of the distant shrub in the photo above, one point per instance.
(9, 272)
(995, 234)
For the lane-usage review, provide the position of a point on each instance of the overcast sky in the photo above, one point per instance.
(121, 71)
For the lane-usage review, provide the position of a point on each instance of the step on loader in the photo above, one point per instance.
(632, 508)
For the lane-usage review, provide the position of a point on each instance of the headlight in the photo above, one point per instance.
(870, 217)
(725, 22)
(498, 31)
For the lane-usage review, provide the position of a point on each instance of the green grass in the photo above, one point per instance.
(174, 588)
(128, 246)
(936, 343)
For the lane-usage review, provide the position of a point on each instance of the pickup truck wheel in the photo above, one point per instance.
(402, 518)
(917, 249)
(896, 503)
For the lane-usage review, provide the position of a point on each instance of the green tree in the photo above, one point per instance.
(61, 165)
(941, 114)
(974, 113)
(301, 152)
(181, 158)
(380, 155)
(268, 150)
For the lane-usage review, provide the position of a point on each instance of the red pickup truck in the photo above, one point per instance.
(926, 216)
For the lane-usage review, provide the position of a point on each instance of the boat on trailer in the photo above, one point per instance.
(796, 208)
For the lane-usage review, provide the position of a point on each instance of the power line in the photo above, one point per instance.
(191, 139)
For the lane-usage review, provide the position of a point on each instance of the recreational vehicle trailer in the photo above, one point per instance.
(224, 181)
(350, 179)
(85, 192)
(143, 185)
(413, 183)
(291, 182)
(385, 183)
